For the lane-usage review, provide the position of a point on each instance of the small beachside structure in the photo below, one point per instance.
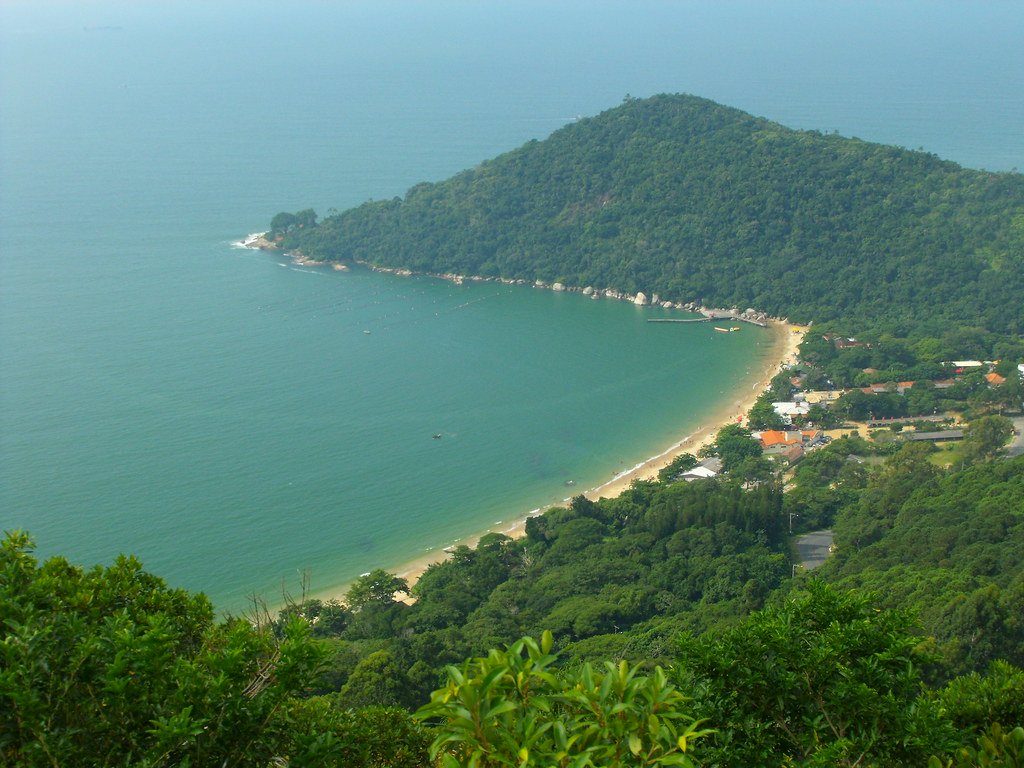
(710, 467)
(788, 410)
(697, 473)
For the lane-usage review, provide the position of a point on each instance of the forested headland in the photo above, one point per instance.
(675, 624)
(698, 202)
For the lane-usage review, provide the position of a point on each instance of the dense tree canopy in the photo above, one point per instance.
(110, 667)
(825, 679)
(695, 201)
(948, 546)
(514, 708)
(819, 677)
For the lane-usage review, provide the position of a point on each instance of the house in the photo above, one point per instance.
(994, 378)
(790, 409)
(789, 444)
(775, 442)
(713, 463)
(772, 437)
(876, 389)
(792, 454)
(822, 396)
(710, 467)
(697, 473)
(845, 343)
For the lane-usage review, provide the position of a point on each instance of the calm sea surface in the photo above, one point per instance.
(225, 415)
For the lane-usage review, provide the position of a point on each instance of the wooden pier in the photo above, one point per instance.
(679, 320)
(758, 323)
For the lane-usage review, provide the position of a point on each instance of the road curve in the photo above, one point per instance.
(813, 548)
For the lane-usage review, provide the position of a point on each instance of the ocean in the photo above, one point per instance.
(225, 415)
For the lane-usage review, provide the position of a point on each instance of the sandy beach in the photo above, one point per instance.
(785, 340)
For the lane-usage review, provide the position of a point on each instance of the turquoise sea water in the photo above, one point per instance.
(223, 414)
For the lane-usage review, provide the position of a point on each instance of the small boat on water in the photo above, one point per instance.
(730, 329)
(437, 436)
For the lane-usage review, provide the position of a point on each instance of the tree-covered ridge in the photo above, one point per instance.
(949, 546)
(111, 668)
(683, 197)
(776, 667)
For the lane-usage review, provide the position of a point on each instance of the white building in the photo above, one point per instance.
(788, 410)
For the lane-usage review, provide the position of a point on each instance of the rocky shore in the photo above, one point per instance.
(259, 241)
(640, 299)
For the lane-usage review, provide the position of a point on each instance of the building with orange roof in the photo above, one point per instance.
(774, 437)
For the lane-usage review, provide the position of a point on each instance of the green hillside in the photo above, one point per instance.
(720, 654)
(675, 625)
(695, 201)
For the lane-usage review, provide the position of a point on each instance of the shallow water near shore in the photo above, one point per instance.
(275, 418)
(235, 420)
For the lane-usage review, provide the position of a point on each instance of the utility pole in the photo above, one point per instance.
(791, 516)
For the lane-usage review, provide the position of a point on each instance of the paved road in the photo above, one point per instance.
(1017, 444)
(812, 548)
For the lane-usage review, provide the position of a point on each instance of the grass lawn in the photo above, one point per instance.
(947, 455)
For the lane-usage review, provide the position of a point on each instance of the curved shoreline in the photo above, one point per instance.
(785, 343)
(257, 241)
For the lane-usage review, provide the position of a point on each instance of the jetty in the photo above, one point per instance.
(739, 318)
(678, 320)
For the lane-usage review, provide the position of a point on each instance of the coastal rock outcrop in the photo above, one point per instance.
(259, 241)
